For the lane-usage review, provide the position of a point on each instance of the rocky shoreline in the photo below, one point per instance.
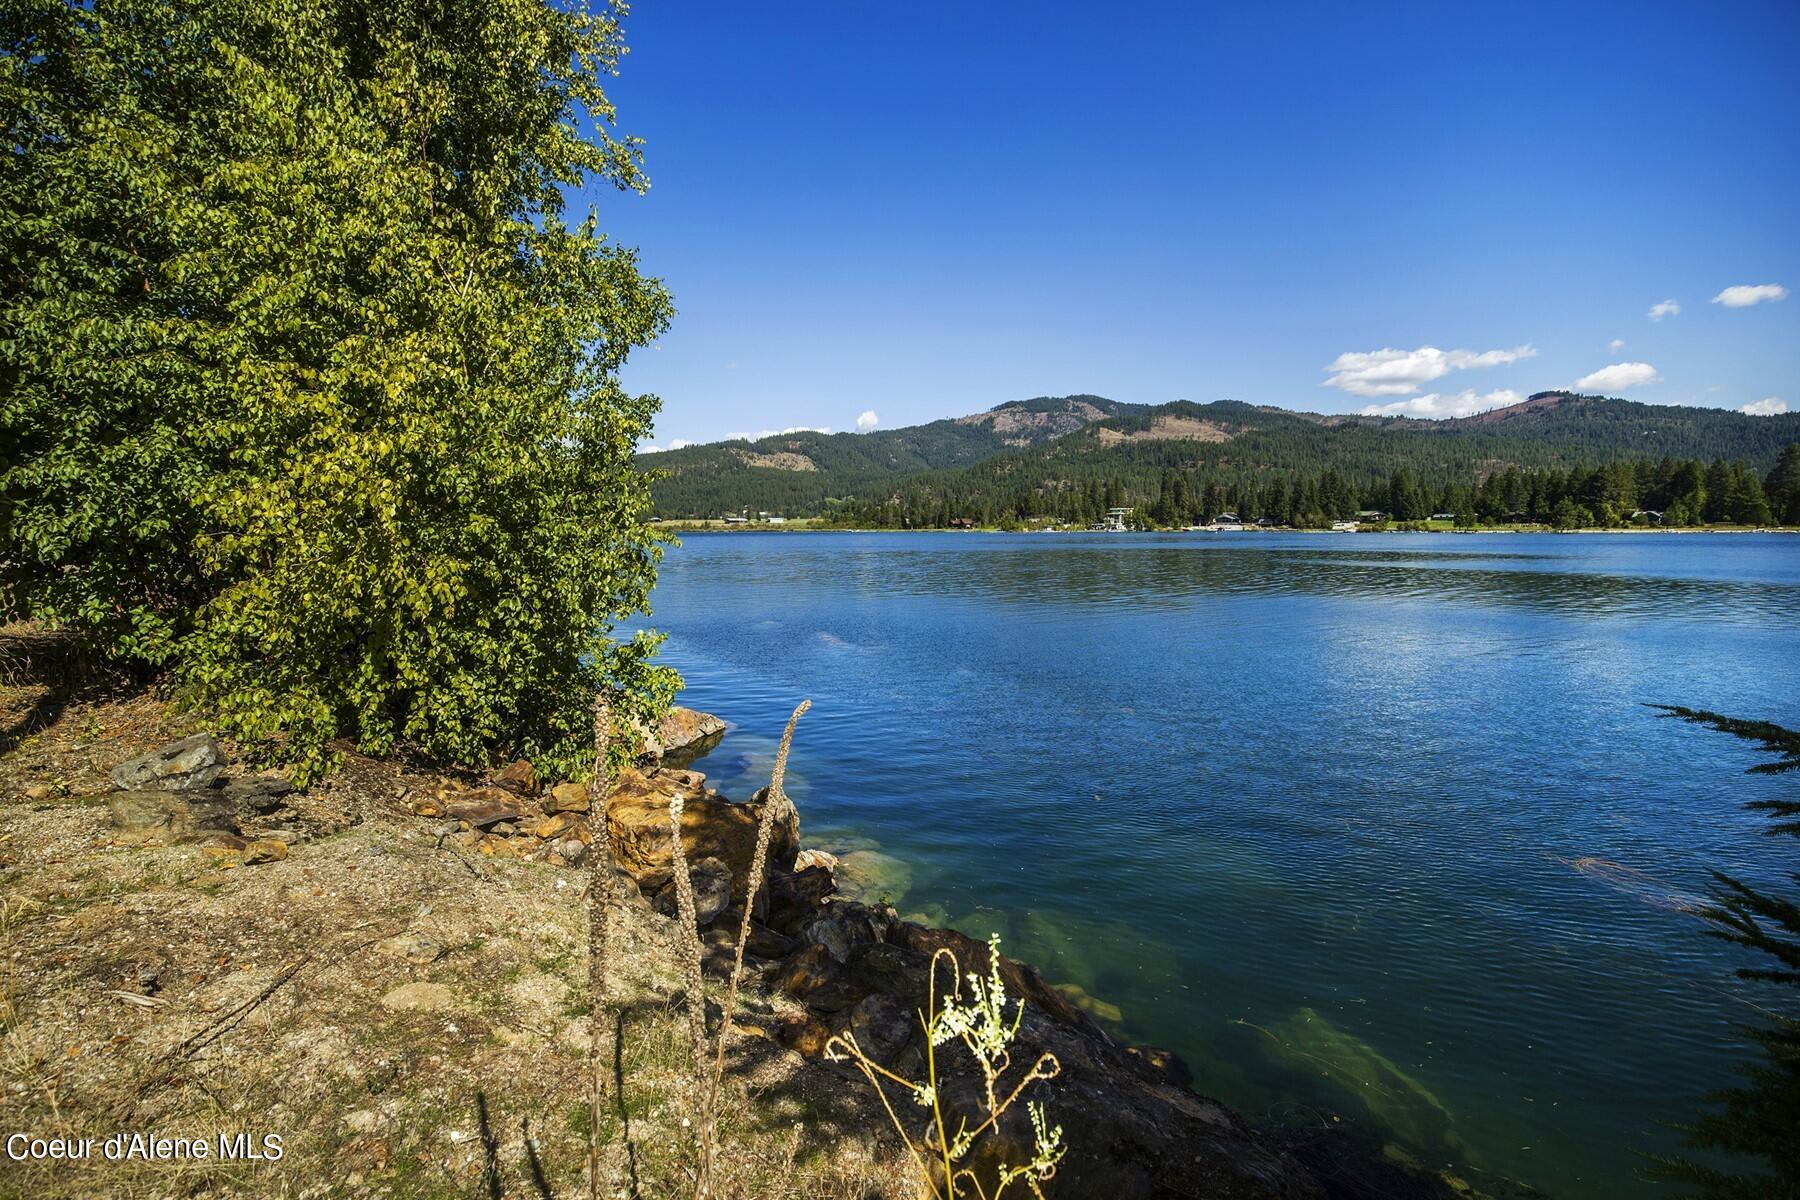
(186, 878)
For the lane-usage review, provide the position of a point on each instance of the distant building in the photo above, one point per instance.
(1227, 518)
(776, 520)
(962, 523)
(1343, 527)
(1443, 516)
(1373, 516)
(1117, 519)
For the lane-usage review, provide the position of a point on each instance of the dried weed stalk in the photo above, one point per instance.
(980, 1024)
(707, 1083)
(601, 899)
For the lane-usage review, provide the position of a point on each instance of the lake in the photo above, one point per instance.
(1373, 825)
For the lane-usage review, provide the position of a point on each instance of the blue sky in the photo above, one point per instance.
(922, 211)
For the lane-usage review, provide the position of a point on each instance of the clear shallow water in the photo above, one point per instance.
(1310, 810)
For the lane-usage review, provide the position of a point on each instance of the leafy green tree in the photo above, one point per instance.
(1760, 1118)
(309, 390)
(1783, 486)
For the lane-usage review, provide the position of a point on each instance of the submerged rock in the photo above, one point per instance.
(1368, 1083)
(872, 876)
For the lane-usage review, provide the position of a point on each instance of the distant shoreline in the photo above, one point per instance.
(804, 525)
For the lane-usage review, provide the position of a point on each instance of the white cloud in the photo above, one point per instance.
(1437, 407)
(1743, 295)
(1666, 308)
(760, 434)
(1390, 372)
(1768, 406)
(867, 421)
(1616, 345)
(1618, 377)
(678, 443)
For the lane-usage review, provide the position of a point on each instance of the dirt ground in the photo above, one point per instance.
(407, 1017)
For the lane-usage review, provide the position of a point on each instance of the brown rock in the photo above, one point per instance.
(265, 850)
(784, 840)
(814, 978)
(764, 943)
(517, 777)
(496, 846)
(804, 1035)
(794, 897)
(637, 818)
(815, 858)
(423, 805)
(485, 808)
(552, 827)
(567, 797)
(682, 733)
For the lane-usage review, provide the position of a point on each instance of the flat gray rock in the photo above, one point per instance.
(191, 764)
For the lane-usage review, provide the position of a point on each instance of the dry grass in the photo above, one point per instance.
(491, 1093)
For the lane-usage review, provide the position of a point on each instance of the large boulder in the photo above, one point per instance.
(191, 764)
(149, 816)
(682, 734)
(637, 820)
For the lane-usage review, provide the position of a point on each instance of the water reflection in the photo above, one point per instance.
(1147, 573)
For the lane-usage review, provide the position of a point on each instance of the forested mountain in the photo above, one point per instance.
(802, 474)
(1064, 458)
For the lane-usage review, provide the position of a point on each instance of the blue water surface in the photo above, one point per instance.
(1368, 825)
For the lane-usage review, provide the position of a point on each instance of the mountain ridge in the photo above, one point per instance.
(1045, 442)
